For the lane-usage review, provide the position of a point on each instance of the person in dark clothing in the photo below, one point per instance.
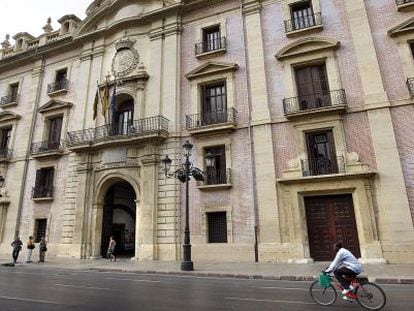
(42, 249)
(17, 247)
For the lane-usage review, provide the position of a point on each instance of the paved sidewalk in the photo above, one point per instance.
(391, 274)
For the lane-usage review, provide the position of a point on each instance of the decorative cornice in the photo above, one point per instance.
(252, 7)
(306, 45)
(210, 68)
(402, 28)
(54, 105)
(6, 116)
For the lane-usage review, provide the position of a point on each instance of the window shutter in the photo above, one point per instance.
(38, 178)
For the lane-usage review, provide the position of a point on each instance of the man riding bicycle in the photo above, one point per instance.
(345, 266)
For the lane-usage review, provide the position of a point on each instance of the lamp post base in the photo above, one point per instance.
(187, 266)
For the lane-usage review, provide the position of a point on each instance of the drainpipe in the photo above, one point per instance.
(30, 141)
(251, 139)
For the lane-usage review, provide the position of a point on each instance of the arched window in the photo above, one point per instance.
(124, 117)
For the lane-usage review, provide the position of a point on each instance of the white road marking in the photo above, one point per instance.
(272, 301)
(86, 287)
(132, 280)
(284, 288)
(31, 300)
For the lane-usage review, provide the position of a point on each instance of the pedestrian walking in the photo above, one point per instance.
(17, 247)
(42, 249)
(111, 249)
(30, 248)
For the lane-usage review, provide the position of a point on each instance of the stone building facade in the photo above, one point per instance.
(307, 106)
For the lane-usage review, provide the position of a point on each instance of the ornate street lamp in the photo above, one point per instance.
(183, 174)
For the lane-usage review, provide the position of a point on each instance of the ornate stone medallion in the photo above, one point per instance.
(126, 58)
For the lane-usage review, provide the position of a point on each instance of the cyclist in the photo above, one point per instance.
(345, 266)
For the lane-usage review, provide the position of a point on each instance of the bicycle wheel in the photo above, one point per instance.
(324, 296)
(370, 296)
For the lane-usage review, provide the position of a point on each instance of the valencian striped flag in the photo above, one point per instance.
(105, 98)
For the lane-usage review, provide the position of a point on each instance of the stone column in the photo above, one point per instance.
(396, 231)
(264, 162)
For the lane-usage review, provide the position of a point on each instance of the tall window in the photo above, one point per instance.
(412, 48)
(312, 86)
(211, 38)
(40, 229)
(217, 175)
(60, 80)
(13, 91)
(217, 227)
(214, 105)
(4, 142)
(55, 128)
(124, 118)
(302, 15)
(44, 183)
(321, 153)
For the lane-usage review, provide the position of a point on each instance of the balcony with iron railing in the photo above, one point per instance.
(216, 180)
(152, 128)
(308, 22)
(403, 5)
(58, 87)
(322, 166)
(217, 45)
(5, 154)
(9, 100)
(42, 193)
(315, 103)
(211, 121)
(46, 149)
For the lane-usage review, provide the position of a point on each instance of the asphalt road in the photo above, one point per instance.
(40, 289)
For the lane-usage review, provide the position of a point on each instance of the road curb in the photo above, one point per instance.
(303, 278)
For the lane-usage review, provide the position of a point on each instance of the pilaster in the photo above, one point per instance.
(146, 226)
(395, 227)
(264, 161)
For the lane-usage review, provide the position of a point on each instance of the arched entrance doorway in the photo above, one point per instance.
(119, 216)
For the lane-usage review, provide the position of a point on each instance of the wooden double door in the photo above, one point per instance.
(331, 219)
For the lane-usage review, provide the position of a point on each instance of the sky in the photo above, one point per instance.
(31, 15)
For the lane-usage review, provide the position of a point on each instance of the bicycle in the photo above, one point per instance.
(369, 295)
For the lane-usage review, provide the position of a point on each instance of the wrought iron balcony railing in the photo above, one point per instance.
(5, 153)
(40, 191)
(8, 99)
(211, 118)
(402, 2)
(217, 177)
(210, 45)
(46, 146)
(60, 85)
(314, 101)
(410, 85)
(303, 22)
(108, 132)
(322, 166)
